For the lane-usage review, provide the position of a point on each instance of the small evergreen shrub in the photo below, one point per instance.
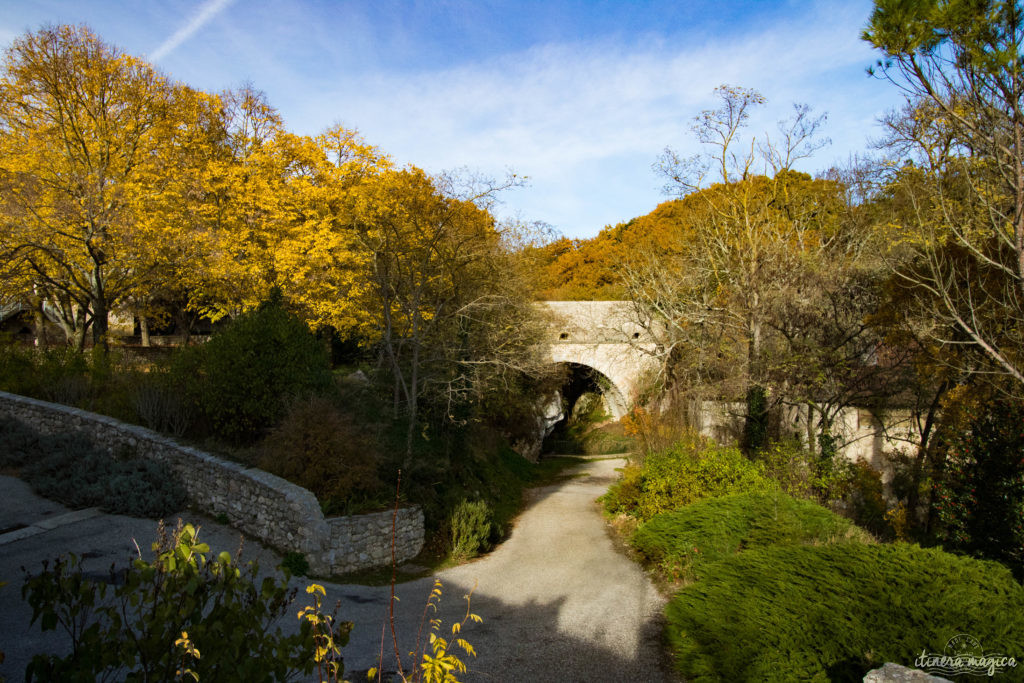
(325, 450)
(867, 506)
(255, 365)
(470, 529)
(833, 612)
(684, 543)
(693, 469)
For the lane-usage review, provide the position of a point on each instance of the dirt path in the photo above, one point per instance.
(559, 603)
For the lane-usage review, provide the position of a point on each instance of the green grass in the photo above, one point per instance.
(684, 543)
(834, 612)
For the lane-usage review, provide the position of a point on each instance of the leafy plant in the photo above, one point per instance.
(328, 636)
(295, 563)
(692, 469)
(804, 474)
(441, 663)
(186, 612)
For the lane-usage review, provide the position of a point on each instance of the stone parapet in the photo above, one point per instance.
(275, 511)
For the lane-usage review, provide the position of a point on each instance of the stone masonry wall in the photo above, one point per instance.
(265, 506)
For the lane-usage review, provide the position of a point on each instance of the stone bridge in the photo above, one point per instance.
(604, 336)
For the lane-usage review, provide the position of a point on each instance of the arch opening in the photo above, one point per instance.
(584, 415)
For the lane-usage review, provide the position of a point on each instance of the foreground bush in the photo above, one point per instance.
(70, 470)
(185, 612)
(834, 612)
(693, 469)
(684, 543)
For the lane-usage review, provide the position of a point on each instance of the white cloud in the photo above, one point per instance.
(560, 113)
(206, 12)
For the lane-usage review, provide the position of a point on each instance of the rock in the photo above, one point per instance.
(894, 673)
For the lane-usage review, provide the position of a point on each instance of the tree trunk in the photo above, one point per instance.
(413, 405)
(144, 329)
(100, 323)
(40, 321)
(100, 312)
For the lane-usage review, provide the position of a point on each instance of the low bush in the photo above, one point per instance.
(833, 612)
(684, 543)
(322, 448)
(470, 529)
(70, 470)
(17, 368)
(693, 469)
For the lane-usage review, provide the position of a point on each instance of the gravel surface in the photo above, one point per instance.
(558, 602)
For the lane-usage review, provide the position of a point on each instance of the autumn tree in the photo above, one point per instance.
(83, 129)
(450, 315)
(960, 141)
(744, 242)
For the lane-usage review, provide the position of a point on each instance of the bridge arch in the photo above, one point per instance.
(607, 337)
(581, 379)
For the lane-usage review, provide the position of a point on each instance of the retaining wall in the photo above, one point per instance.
(275, 511)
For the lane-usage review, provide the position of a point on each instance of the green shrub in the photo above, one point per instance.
(323, 449)
(833, 612)
(867, 506)
(804, 474)
(63, 376)
(684, 543)
(470, 529)
(137, 625)
(692, 469)
(258, 362)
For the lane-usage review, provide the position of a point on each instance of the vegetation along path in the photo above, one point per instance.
(558, 602)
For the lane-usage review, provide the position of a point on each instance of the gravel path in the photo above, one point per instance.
(559, 603)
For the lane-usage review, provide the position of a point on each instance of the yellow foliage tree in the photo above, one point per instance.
(84, 129)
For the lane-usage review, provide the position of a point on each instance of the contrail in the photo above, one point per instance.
(208, 11)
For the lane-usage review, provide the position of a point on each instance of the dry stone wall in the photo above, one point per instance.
(275, 511)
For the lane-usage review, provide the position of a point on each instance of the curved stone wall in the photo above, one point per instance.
(275, 511)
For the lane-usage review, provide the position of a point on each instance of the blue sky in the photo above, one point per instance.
(581, 97)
